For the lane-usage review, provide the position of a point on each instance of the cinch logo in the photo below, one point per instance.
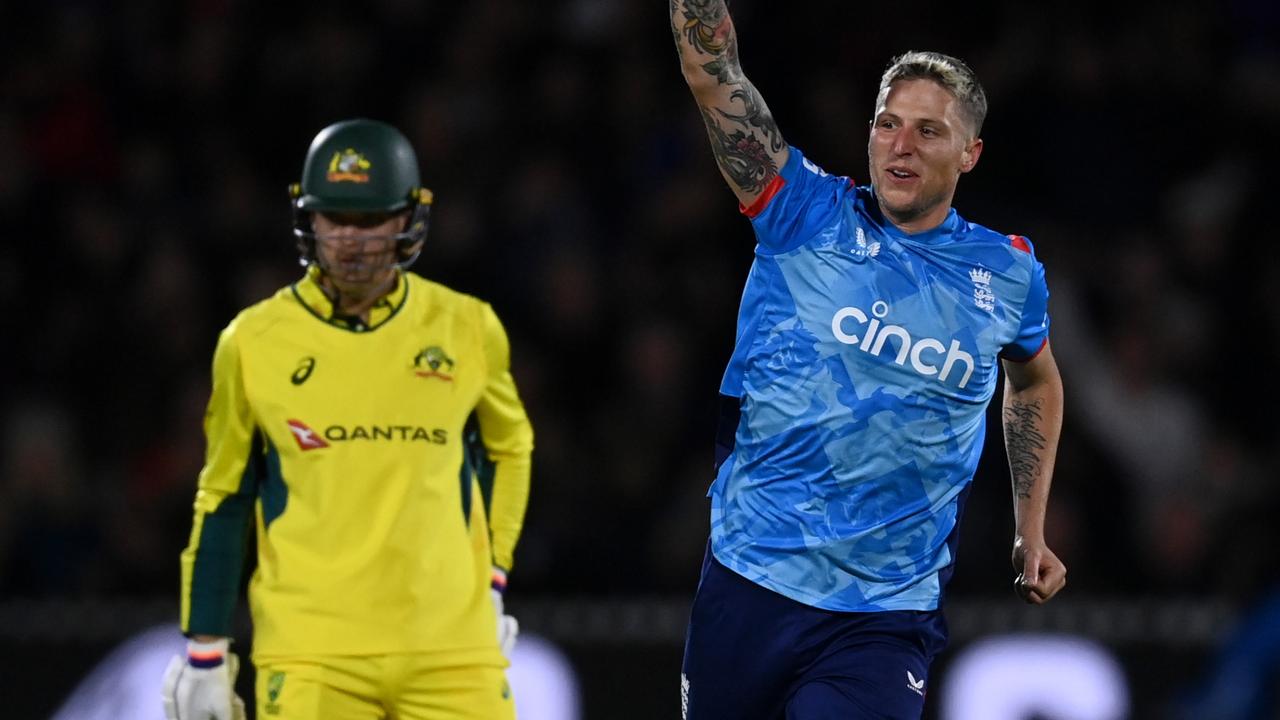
(877, 335)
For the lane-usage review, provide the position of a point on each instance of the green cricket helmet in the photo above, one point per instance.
(361, 166)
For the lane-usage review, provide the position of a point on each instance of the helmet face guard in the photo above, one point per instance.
(408, 242)
(361, 167)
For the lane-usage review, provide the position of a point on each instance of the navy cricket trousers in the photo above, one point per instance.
(752, 654)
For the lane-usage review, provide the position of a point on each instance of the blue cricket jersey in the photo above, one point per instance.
(864, 362)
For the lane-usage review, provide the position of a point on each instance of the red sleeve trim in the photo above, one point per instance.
(757, 207)
(1020, 242)
(1030, 357)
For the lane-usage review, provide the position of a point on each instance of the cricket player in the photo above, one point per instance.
(365, 426)
(872, 329)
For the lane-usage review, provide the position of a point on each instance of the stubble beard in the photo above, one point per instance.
(910, 211)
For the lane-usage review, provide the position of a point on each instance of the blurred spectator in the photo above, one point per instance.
(142, 171)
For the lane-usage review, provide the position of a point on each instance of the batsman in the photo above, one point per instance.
(365, 427)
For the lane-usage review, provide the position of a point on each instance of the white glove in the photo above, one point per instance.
(201, 686)
(508, 627)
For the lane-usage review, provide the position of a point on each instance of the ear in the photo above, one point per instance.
(969, 158)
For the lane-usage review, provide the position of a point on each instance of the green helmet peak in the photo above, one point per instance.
(359, 165)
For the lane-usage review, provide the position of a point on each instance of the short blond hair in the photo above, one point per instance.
(949, 72)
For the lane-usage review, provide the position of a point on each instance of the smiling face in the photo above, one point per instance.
(920, 144)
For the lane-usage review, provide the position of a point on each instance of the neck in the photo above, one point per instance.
(914, 224)
(921, 217)
(357, 300)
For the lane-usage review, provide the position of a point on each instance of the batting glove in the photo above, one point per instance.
(200, 686)
(508, 626)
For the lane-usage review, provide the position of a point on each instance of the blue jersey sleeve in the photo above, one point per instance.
(1033, 332)
(798, 203)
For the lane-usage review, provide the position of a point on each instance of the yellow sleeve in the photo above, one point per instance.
(507, 436)
(213, 561)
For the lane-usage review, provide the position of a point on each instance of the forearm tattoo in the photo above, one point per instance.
(743, 141)
(1024, 443)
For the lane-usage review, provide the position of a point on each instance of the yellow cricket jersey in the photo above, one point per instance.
(385, 468)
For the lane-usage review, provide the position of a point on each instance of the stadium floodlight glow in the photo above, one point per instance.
(126, 684)
(1012, 677)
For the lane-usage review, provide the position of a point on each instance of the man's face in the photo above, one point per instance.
(919, 145)
(357, 250)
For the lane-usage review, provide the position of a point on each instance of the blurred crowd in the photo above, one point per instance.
(148, 146)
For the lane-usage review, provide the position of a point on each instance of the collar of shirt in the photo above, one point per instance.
(946, 231)
(317, 301)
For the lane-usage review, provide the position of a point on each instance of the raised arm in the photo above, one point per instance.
(1032, 423)
(744, 138)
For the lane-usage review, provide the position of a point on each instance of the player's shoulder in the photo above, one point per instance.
(437, 297)
(438, 293)
(259, 317)
(1019, 247)
(800, 199)
(800, 167)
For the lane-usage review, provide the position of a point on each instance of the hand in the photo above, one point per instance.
(508, 627)
(192, 692)
(1040, 573)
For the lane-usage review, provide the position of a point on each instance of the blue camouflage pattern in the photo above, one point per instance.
(864, 362)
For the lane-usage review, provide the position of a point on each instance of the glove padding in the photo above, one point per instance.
(508, 626)
(194, 693)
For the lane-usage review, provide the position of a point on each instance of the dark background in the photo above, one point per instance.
(146, 148)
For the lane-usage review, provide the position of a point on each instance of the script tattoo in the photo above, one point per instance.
(1024, 443)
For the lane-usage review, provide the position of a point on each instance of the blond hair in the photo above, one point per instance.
(949, 72)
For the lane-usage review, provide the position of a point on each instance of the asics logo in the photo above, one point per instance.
(923, 354)
(305, 366)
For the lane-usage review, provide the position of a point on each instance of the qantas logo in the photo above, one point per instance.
(873, 341)
(309, 439)
(306, 437)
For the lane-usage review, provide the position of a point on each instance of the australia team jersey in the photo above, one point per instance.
(366, 457)
(864, 362)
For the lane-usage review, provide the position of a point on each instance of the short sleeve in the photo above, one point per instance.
(1033, 330)
(796, 204)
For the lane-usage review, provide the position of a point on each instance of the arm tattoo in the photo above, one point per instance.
(1024, 443)
(744, 143)
(740, 154)
(704, 25)
(755, 114)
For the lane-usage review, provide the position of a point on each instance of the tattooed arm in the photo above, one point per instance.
(744, 138)
(1032, 422)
